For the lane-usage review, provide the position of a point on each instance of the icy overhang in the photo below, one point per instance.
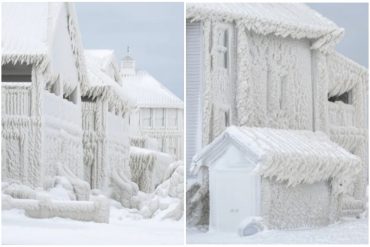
(281, 19)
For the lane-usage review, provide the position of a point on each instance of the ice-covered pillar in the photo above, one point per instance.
(244, 95)
(359, 98)
(320, 80)
(35, 170)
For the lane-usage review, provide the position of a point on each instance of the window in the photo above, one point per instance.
(146, 118)
(227, 118)
(172, 118)
(159, 118)
(345, 98)
(226, 52)
(223, 49)
(283, 94)
(16, 72)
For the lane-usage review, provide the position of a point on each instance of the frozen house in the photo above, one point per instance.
(42, 71)
(160, 112)
(105, 110)
(272, 66)
(290, 178)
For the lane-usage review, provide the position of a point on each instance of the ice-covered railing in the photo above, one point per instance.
(341, 114)
(61, 111)
(16, 98)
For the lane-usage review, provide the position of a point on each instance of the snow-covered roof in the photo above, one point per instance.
(32, 34)
(295, 156)
(344, 74)
(148, 92)
(101, 84)
(281, 19)
(107, 62)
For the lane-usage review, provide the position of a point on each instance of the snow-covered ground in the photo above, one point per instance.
(348, 231)
(125, 227)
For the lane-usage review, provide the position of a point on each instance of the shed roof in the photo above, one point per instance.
(29, 35)
(101, 84)
(149, 92)
(295, 156)
(281, 19)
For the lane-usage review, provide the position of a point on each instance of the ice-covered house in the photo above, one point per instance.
(160, 112)
(274, 66)
(105, 111)
(42, 70)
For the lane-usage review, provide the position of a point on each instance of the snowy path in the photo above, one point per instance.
(122, 229)
(347, 232)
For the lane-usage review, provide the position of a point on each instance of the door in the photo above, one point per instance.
(234, 195)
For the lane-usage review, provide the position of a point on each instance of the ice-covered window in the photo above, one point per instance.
(172, 118)
(283, 95)
(345, 98)
(227, 118)
(146, 117)
(159, 117)
(223, 49)
(16, 72)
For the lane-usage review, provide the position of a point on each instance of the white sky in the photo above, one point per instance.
(354, 18)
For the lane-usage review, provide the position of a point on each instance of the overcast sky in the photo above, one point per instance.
(154, 32)
(353, 17)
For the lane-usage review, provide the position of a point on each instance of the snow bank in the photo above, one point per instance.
(166, 202)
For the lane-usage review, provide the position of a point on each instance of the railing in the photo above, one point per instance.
(16, 98)
(341, 114)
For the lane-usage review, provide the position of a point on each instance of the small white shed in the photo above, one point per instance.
(291, 178)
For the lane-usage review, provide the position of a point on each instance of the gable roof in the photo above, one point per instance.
(101, 84)
(29, 35)
(148, 92)
(282, 19)
(295, 156)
